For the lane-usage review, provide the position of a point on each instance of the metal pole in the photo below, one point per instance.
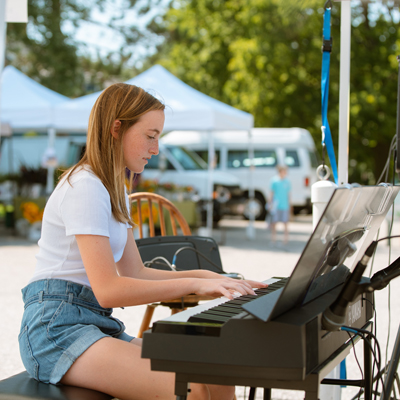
(343, 153)
(250, 227)
(51, 162)
(344, 92)
(210, 202)
(368, 379)
(3, 30)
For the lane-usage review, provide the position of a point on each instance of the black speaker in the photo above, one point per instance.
(188, 256)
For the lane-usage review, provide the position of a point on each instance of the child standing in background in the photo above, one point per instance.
(280, 203)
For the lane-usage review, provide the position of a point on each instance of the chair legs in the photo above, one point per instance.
(148, 315)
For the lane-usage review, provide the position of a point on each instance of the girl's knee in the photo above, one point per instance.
(199, 391)
(219, 392)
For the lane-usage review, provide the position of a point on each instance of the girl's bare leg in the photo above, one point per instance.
(115, 367)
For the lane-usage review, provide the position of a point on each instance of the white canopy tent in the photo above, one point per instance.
(186, 109)
(27, 105)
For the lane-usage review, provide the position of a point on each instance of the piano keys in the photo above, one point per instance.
(223, 312)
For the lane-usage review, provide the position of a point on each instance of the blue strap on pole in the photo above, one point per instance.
(326, 58)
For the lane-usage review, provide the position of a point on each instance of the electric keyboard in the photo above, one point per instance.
(203, 341)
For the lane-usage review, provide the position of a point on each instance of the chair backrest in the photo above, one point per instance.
(165, 208)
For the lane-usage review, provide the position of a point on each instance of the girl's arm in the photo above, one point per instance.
(113, 289)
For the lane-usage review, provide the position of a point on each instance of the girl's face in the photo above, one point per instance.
(140, 141)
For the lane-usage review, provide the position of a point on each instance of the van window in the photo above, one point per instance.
(292, 158)
(154, 163)
(262, 158)
(186, 158)
(204, 155)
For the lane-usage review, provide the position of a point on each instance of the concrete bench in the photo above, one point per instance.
(23, 387)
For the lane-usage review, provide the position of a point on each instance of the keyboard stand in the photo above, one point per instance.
(310, 384)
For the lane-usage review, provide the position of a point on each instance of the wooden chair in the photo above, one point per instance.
(176, 217)
(163, 208)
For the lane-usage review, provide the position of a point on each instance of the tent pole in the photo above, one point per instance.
(211, 161)
(51, 161)
(3, 30)
(328, 391)
(344, 92)
(250, 231)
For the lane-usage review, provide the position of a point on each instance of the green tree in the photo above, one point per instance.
(47, 50)
(373, 102)
(264, 57)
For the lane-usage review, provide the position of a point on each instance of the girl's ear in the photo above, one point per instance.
(115, 128)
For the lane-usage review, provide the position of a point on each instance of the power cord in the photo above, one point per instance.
(234, 275)
(385, 170)
(376, 352)
(358, 395)
(166, 262)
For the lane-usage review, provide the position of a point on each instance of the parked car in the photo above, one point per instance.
(293, 147)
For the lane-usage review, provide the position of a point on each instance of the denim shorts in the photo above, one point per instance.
(280, 216)
(61, 320)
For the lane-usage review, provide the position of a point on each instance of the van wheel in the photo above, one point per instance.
(257, 206)
(217, 216)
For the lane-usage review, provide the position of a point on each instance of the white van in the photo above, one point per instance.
(293, 147)
(177, 165)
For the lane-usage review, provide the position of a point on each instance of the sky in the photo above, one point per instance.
(98, 37)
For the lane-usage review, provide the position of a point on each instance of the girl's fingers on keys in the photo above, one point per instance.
(256, 284)
(246, 289)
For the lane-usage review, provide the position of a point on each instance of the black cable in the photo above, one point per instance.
(389, 262)
(206, 258)
(375, 329)
(197, 252)
(358, 363)
(386, 167)
(387, 237)
(149, 263)
(376, 354)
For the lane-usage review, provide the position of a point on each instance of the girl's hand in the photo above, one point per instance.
(226, 287)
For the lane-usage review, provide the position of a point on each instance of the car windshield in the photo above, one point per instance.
(188, 159)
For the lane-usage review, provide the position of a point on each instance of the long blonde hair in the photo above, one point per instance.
(104, 153)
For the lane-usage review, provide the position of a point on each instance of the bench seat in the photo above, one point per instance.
(23, 387)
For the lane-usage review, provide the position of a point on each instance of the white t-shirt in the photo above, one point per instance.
(83, 208)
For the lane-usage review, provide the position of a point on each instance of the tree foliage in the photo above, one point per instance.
(264, 57)
(47, 50)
